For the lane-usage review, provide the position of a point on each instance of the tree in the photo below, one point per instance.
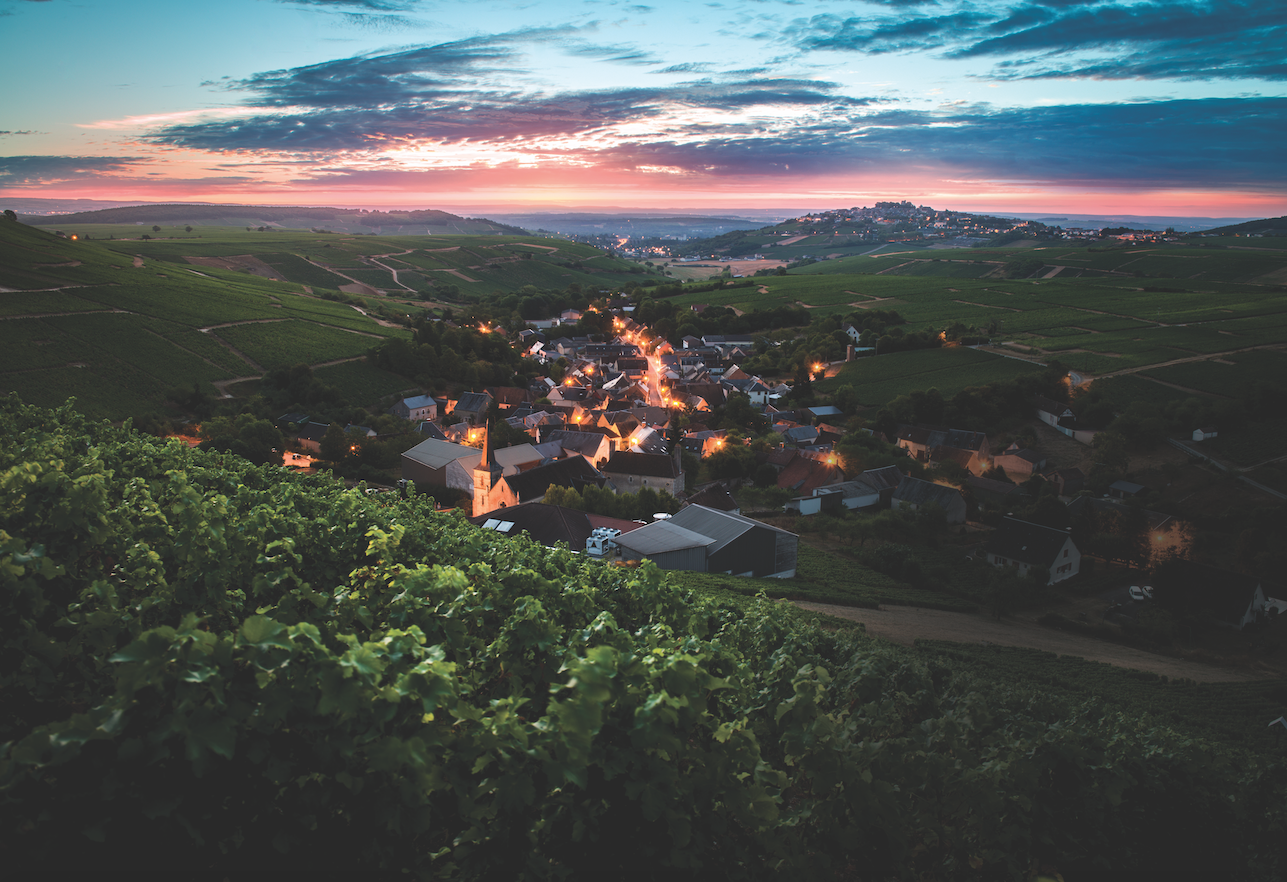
(9, 214)
(334, 444)
(802, 391)
(187, 229)
(155, 228)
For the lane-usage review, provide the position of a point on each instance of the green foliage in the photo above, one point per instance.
(638, 506)
(231, 667)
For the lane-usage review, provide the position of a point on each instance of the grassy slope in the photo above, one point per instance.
(118, 336)
(1205, 303)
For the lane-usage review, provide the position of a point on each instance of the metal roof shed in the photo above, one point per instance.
(742, 547)
(668, 546)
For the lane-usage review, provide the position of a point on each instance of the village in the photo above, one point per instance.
(624, 413)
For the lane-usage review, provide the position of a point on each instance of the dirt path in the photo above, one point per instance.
(987, 305)
(454, 272)
(138, 261)
(391, 270)
(379, 321)
(906, 624)
(1208, 357)
(38, 315)
(222, 385)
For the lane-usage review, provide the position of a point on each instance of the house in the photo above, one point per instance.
(472, 407)
(712, 541)
(1204, 433)
(418, 407)
(1026, 546)
(835, 497)
(827, 412)
(310, 436)
(921, 442)
(631, 472)
(493, 489)
(520, 457)
(1125, 489)
(508, 397)
(914, 494)
(1060, 417)
(804, 474)
(1019, 464)
(885, 479)
(1069, 482)
(595, 447)
(441, 464)
(1234, 600)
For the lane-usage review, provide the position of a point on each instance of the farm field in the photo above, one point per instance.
(823, 577)
(288, 342)
(1231, 712)
(882, 378)
(1219, 378)
(1097, 325)
(360, 381)
(126, 329)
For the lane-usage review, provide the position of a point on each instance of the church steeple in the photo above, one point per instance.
(486, 474)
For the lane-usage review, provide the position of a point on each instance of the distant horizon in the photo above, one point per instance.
(757, 214)
(1076, 107)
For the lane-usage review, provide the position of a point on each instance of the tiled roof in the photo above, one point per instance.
(651, 465)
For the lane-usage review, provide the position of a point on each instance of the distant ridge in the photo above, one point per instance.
(337, 219)
(1270, 226)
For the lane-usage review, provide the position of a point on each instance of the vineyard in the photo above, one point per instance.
(242, 671)
(885, 377)
(1229, 713)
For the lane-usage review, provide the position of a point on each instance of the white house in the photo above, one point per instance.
(1025, 545)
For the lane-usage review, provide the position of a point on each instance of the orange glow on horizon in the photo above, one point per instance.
(184, 177)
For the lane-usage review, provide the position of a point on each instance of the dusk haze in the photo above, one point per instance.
(1140, 108)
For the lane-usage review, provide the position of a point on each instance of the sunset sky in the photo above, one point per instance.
(1164, 108)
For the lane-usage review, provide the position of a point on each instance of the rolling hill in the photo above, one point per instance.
(427, 222)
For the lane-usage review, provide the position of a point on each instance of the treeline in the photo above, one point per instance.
(439, 352)
(977, 408)
(639, 506)
(674, 323)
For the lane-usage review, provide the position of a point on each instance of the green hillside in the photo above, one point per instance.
(120, 328)
(237, 671)
(121, 321)
(336, 219)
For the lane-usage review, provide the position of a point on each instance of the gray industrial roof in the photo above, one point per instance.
(436, 454)
(660, 537)
(722, 526)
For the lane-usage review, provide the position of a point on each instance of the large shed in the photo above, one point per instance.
(669, 546)
(915, 494)
(442, 464)
(742, 547)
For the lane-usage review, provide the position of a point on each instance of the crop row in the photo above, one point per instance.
(285, 343)
(297, 269)
(127, 338)
(41, 302)
(360, 381)
(103, 391)
(1235, 712)
(34, 343)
